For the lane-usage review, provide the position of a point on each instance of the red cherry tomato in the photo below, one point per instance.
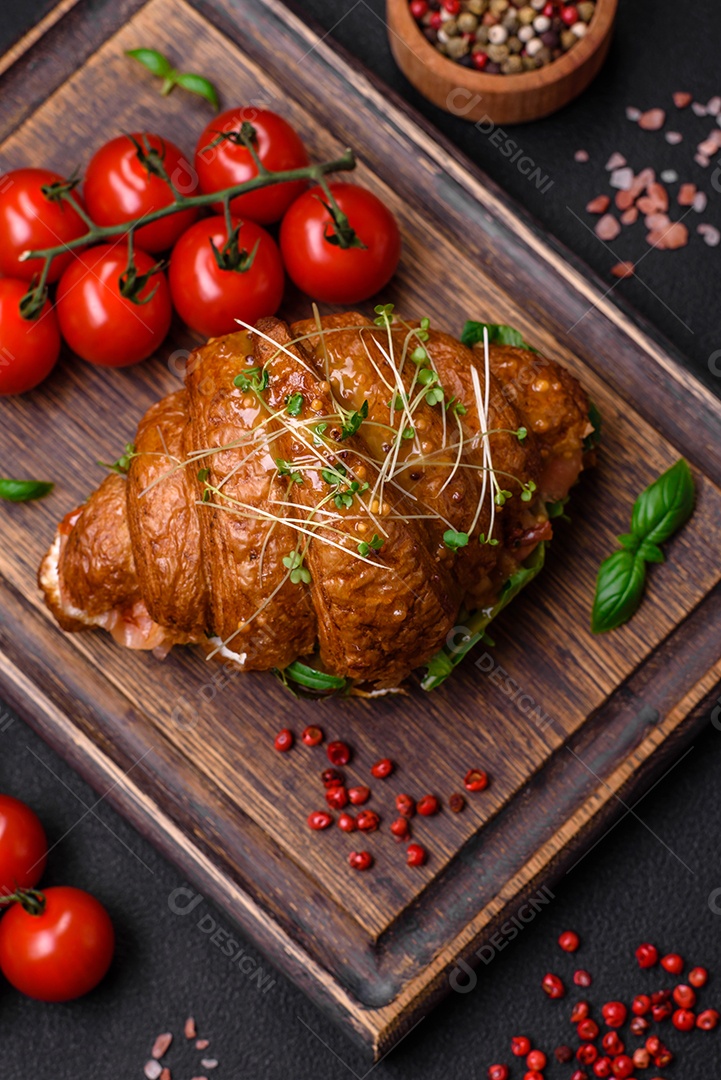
(279, 148)
(30, 221)
(29, 348)
(210, 299)
(23, 846)
(119, 187)
(99, 323)
(326, 271)
(60, 954)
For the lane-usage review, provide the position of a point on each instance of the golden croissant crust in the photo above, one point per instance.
(308, 493)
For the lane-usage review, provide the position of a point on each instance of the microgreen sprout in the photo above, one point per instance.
(374, 544)
(294, 404)
(384, 314)
(528, 490)
(286, 468)
(354, 421)
(455, 540)
(123, 463)
(255, 379)
(298, 572)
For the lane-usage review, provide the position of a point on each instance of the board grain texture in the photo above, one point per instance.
(184, 748)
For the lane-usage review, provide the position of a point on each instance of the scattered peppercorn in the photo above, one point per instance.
(284, 740)
(319, 819)
(498, 1072)
(647, 956)
(582, 978)
(382, 768)
(330, 777)
(312, 736)
(360, 860)
(475, 780)
(580, 1011)
(520, 1046)
(427, 805)
(569, 941)
(338, 753)
(367, 821)
(347, 823)
(536, 1059)
(416, 855)
(405, 805)
(614, 1013)
(684, 1020)
(336, 797)
(563, 1054)
(707, 1020)
(456, 803)
(400, 828)
(612, 1044)
(553, 986)
(672, 963)
(698, 977)
(359, 795)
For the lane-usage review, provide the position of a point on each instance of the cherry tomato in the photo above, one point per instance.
(119, 187)
(326, 271)
(29, 348)
(60, 954)
(279, 148)
(99, 323)
(30, 221)
(23, 846)
(210, 299)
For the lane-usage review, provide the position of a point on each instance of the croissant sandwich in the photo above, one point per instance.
(341, 501)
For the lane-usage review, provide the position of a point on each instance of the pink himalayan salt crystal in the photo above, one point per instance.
(652, 120)
(607, 228)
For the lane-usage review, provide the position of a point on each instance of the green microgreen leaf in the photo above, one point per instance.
(123, 463)
(255, 379)
(24, 490)
(354, 421)
(384, 313)
(374, 544)
(419, 355)
(435, 396)
(408, 433)
(455, 540)
(294, 404)
(203, 475)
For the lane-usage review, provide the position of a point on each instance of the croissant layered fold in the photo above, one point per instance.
(308, 493)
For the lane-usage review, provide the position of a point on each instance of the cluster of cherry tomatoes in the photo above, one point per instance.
(55, 945)
(96, 313)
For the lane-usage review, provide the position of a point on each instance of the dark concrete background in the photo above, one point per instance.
(652, 878)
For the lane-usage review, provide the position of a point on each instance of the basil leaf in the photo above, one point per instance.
(440, 666)
(665, 505)
(155, 62)
(498, 334)
(24, 490)
(619, 588)
(196, 84)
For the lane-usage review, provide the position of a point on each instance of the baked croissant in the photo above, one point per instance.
(337, 488)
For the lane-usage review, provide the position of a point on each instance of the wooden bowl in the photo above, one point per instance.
(499, 99)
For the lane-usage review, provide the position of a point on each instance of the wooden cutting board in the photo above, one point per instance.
(183, 749)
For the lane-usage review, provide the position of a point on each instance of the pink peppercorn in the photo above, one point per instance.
(520, 1045)
(622, 1066)
(684, 1020)
(553, 986)
(647, 955)
(536, 1060)
(569, 941)
(672, 963)
(614, 1013)
(707, 1020)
